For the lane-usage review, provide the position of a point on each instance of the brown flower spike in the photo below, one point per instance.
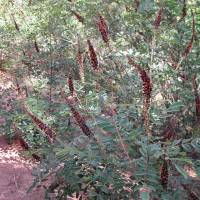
(71, 84)
(93, 56)
(15, 23)
(36, 46)
(77, 116)
(189, 46)
(78, 16)
(41, 125)
(81, 122)
(103, 28)
(147, 86)
(158, 18)
(147, 89)
(164, 174)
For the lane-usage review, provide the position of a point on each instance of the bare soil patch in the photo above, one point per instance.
(15, 174)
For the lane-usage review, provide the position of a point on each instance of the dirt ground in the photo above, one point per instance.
(15, 174)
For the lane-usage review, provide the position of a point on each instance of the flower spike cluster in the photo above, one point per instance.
(189, 45)
(187, 49)
(164, 174)
(158, 18)
(92, 56)
(36, 46)
(78, 117)
(147, 85)
(78, 16)
(81, 122)
(41, 125)
(103, 29)
(147, 89)
(71, 85)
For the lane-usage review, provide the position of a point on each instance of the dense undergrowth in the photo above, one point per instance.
(105, 94)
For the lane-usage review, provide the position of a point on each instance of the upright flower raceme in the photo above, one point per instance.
(78, 16)
(147, 89)
(164, 174)
(15, 23)
(93, 56)
(41, 125)
(187, 49)
(71, 84)
(103, 29)
(190, 43)
(158, 18)
(147, 85)
(193, 26)
(36, 46)
(81, 122)
(78, 117)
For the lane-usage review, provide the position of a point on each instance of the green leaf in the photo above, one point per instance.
(196, 144)
(145, 194)
(181, 171)
(165, 196)
(187, 160)
(99, 197)
(175, 107)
